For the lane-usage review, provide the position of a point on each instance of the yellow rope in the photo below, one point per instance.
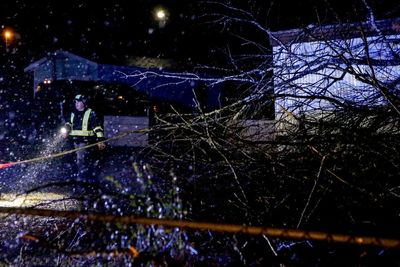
(217, 227)
(63, 153)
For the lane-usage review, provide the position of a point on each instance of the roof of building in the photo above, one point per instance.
(335, 31)
(60, 54)
(156, 82)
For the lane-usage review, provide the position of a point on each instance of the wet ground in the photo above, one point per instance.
(50, 184)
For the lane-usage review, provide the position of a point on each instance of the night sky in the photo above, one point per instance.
(105, 31)
(113, 31)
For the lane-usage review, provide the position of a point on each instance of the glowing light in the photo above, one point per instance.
(63, 130)
(47, 81)
(160, 14)
(8, 34)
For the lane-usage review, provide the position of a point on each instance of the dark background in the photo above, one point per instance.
(113, 31)
(104, 31)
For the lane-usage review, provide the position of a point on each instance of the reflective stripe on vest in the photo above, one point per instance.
(85, 122)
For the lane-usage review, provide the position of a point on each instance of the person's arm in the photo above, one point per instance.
(97, 129)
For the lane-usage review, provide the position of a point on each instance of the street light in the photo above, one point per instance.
(161, 15)
(8, 35)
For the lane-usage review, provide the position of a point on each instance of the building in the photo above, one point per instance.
(324, 68)
(126, 95)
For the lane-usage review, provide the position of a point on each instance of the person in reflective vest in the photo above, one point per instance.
(85, 128)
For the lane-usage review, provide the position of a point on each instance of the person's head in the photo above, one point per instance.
(80, 102)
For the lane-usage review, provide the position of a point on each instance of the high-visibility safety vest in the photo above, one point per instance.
(97, 131)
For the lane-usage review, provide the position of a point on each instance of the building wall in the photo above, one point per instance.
(314, 77)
